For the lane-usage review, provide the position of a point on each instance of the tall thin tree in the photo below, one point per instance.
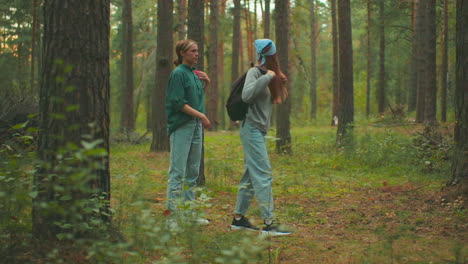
(266, 20)
(213, 65)
(283, 133)
(444, 63)
(74, 105)
(336, 69)
(195, 31)
(127, 123)
(235, 41)
(346, 106)
(430, 71)
(313, 58)
(460, 155)
(369, 57)
(181, 18)
(164, 41)
(382, 82)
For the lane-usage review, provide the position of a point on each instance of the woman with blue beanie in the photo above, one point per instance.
(260, 92)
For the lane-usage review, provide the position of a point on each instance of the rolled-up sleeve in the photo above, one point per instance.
(176, 92)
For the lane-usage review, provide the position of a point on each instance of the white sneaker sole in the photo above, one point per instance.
(234, 227)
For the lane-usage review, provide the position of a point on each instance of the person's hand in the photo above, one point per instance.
(203, 76)
(272, 73)
(205, 122)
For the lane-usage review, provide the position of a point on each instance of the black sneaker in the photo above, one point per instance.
(242, 223)
(274, 229)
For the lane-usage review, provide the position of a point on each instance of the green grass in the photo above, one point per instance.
(375, 203)
(378, 202)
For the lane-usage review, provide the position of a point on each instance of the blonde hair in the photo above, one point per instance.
(182, 46)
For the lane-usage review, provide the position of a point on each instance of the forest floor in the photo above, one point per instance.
(381, 202)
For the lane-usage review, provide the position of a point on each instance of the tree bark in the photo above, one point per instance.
(382, 81)
(181, 18)
(213, 65)
(313, 55)
(413, 86)
(369, 58)
(127, 122)
(74, 104)
(429, 56)
(283, 144)
(336, 83)
(346, 108)
(195, 31)
(235, 41)
(444, 64)
(460, 156)
(266, 20)
(421, 61)
(220, 70)
(164, 51)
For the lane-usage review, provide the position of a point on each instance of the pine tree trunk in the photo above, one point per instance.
(444, 64)
(74, 101)
(413, 86)
(220, 71)
(164, 51)
(369, 58)
(195, 31)
(430, 64)
(213, 66)
(381, 91)
(266, 22)
(336, 82)
(420, 46)
(346, 106)
(127, 123)
(283, 144)
(460, 156)
(181, 18)
(313, 73)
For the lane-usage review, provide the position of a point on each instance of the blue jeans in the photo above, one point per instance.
(256, 179)
(186, 148)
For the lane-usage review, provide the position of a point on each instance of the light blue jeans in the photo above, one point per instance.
(186, 148)
(256, 179)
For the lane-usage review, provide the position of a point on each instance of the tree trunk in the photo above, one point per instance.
(266, 20)
(235, 41)
(336, 82)
(313, 55)
(181, 18)
(460, 156)
(444, 64)
(381, 91)
(35, 25)
(413, 86)
(127, 123)
(346, 106)
(429, 55)
(213, 66)
(420, 60)
(196, 26)
(74, 107)
(195, 31)
(283, 144)
(369, 58)
(164, 42)
(220, 70)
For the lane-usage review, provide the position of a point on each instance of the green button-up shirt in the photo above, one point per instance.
(184, 87)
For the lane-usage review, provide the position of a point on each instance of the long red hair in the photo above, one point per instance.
(277, 85)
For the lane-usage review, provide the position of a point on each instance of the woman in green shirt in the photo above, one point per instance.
(185, 121)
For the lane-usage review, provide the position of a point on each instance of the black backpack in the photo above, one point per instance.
(236, 108)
